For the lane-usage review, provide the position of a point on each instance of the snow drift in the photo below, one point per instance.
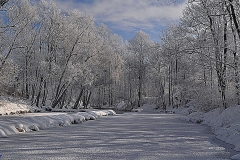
(225, 124)
(33, 122)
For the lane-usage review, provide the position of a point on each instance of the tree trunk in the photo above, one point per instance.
(26, 78)
(55, 102)
(221, 59)
(33, 93)
(45, 92)
(39, 92)
(234, 22)
(86, 99)
(78, 99)
(169, 86)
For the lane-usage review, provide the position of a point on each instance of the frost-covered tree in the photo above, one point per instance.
(140, 46)
(109, 68)
(21, 19)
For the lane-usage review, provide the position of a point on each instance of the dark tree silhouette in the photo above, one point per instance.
(2, 2)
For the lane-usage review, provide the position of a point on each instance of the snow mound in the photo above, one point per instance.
(7, 108)
(10, 106)
(25, 123)
(225, 124)
(104, 113)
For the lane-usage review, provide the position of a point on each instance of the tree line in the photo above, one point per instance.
(56, 58)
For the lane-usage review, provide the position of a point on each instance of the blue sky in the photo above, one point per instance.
(126, 17)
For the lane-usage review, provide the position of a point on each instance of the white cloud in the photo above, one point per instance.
(128, 14)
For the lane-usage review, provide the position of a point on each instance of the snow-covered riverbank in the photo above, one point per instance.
(38, 121)
(132, 136)
(225, 124)
(16, 116)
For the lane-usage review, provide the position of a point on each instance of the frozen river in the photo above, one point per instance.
(131, 136)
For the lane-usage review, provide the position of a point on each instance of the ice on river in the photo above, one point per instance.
(132, 136)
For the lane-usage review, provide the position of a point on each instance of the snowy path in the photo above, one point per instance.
(128, 136)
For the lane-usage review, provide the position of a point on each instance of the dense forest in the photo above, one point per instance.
(56, 58)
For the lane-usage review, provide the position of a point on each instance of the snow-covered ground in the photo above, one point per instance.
(18, 117)
(132, 136)
(225, 124)
(38, 121)
(9, 105)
